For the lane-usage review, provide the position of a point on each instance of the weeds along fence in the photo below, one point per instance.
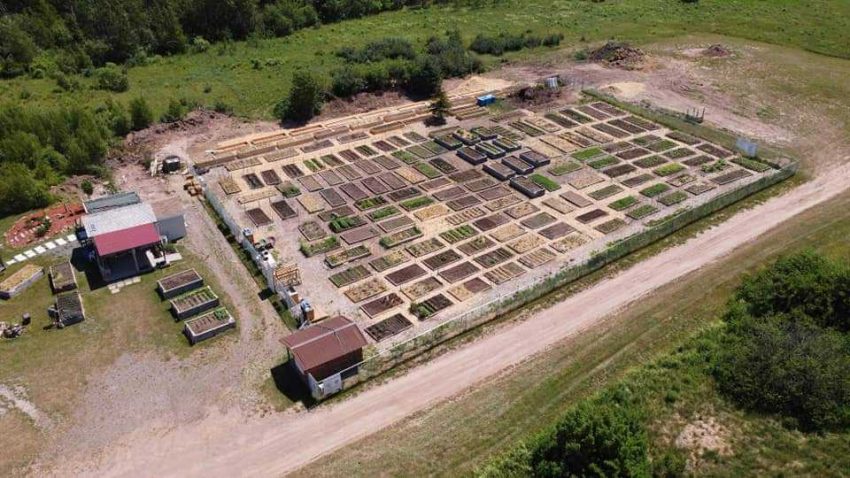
(387, 359)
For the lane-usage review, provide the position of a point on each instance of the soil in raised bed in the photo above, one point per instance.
(538, 220)
(359, 235)
(382, 304)
(491, 222)
(556, 231)
(459, 272)
(442, 259)
(462, 203)
(406, 274)
(475, 245)
(388, 327)
(258, 217)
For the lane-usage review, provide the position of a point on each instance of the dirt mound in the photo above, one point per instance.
(716, 51)
(618, 54)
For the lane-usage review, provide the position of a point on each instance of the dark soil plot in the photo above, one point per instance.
(335, 213)
(430, 307)
(626, 126)
(608, 108)
(349, 172)
(556, 231)
(610, 130)
(283, 210)
(476, 245)
(499, 171)
(560, 119)
(331, 177)
(459, 272)
(406, 274)
(593, 112)
(365, 150)
(310, 183)
(476, 285)
(312, 230)
(353, 191)
(444, 166)
(535, 158)
(731, 176)
(403, 194)
(449, 193)
(253, 181)
(576, 199)
(270, 177)
(518, 165)
(398, 141)
(642, 123)
(522, 210)
(679, 153)
(392, 180)
(471, 156)
(463, 203)
(638, 180)
(388, 327)
(714, 151)
(505, 273)
(359, 235)
(620, 170)
(605, 192)
(292, 171)
(576, 116)
(698, 161)
(610, 226)
(333, 198)
(349, 155)
(349, 276)
(396, 223)
(384, 146)
(528, 187)
(630, 154)
(435, 184)
(368, 167)
(375, 186)
(382, 304)
(538, 220)
(387, 162)
(494, 257)
(311, 148)
(650, 162)
(614, 148)
(415, 137)
(491, 222)
(700, 188)
(465, 176)
(495, 193)
(258, 217)
(442, 259)
(480, 184)
(331, 161)
(591, 216)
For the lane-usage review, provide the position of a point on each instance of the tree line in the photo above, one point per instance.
(784, 353)
(75, 35)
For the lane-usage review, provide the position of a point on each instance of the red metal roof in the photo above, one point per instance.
(324, 342)
(126, 239)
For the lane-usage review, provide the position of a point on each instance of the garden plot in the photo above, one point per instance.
(443, 166)
(404, 194)
(463, 203)
(311, 249)
(642, 211)
(480, 184)
(458, 234)
(569, 243)
(388, 327)
(435, 184)
(359, 235)
(556, 231)
(422, 288)
(505, 273)
(559, 205)
(378, 306)
(465, 216)
(348, 172)
(312, 230)
(425, 247)
(387, 162)
(375, 186)
(503, 202)
(731, 176)
(610, 226)
(430, 307)
(331, 161)
(490, 222)
(475, 245)
(332, 197)
(538, 220)
(458, 272)
(698, 161)
(450, 193)
(349, 276)
(636, 181)
(537, 258)
(229, 186)
(348, 255)
(583, 179)
(431, 212)
(349, 155)
(679, 153)
(441, 259)
(168, 287)
(258, 217)
(353, 191)
(507, 232)
(495, 193)
(368, 167)
(682, 179)
(714, 151)
(393, 224)
(405, 274)
(270, 177)
(335, 213)
(468, 289)
(401, 237)
(388, 261)
(521, 210)
(331, 177)
(366, 290)
(193, 303)
(292, 171)
(344, 223)
(493, 258)
(528, 187)
(253, 181)
(466, 175)
(591, 216)
(700, 188)
(605, 192)
(593, 112)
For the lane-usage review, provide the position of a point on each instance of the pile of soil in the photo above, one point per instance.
(716, 51)
(533, 96)
(618, 54)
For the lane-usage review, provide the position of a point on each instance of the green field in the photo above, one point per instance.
(228, 74)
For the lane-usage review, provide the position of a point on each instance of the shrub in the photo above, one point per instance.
(141, 115)
(110, 78)
(305, 98)
(87, 187)
(176, 111)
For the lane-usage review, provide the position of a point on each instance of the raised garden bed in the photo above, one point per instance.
(310, 249)
(392, 180)
(466, 137)
(331, 177)
(673, 198)
(193, 303)
(336, 213)
(208, 325)
(450, 193)
(448, 142)
(591, 216)
(396, 223)
(650, 162)
(69, 308)
(400, 237)
(349, 276)
(387, 162)
(679, 153)
(358, 235)
(463, 203)
(563, 168)
(633, 153)
(605, 192)
(388, 261)
(403, 194)
(619, 170)
(490, 151)
(507, 145)
(682, 179)
(348, 255)
(406, 274)
(507, 232)
(253, 181)
(381, 305)
(544, 182)
(537, 258)
(258, 217)
(661, 146)
(63, 278)
(504, 273)
(714, 151)
(406, 156)
(177, 284)
(642, 211)
(493, 258)
(480, 184)
(270, 177)
(608, 227)
(427, 170)
(310, 183)
(668, 169)
(476, 245)
(603, 162)
(331, 160)
(283, 210)
(655, 190)
(443, 166)
(575, 116)
(465, 216)
(683, 138)
(471, 156)
(416, 203)
(528, 187)
(370, 203)
(383, 213)
(366, 290)
(526, 243)
(700, 188)
(556, 231)
(623, 203)
(491, 222)
(353, 191)
(442, 259)
(388, 327)
(292, 171)
(349, 155)
(576, 199)
(731, 176)
(538, 220)
(751, 164)
(458, 272)
(517, 165)
(342, 224)
(430, 307)
(425, 247)
(584, 178)
(569, 243)
(312, 230)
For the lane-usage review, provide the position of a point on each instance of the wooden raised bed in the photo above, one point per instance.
(193, 303)
(430, 307)
(208, 325)
(62, 277)
(388, 327)
(179, 283)
(382, 304)
(349, 276)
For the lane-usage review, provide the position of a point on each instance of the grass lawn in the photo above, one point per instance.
(227, 73)
(54, 365)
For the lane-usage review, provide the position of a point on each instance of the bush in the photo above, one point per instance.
(110, 78)
(379, 50)
(141, 115)
(504, 42)
(176, 111)
(87, 187)
(305, 98)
